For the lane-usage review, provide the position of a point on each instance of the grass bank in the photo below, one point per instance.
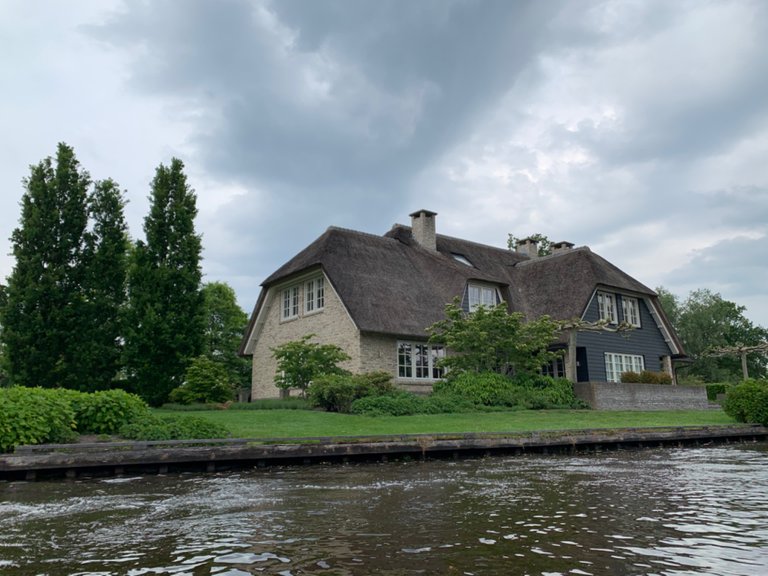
(306, 423)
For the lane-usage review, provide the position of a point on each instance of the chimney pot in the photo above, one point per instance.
(560, 247)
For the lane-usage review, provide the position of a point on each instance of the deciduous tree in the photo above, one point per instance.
(225, 324)
(299, 362)
(705, 323)
(492, 340)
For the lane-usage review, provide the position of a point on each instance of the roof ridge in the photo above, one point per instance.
(358, 232)
(505, 250)
(550, 256)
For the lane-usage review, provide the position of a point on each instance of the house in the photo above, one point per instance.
(374, 296)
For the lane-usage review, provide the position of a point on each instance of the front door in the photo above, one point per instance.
(582, 371)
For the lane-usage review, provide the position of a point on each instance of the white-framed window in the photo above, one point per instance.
(606, 307)
(630, 308)
(290, 302)
(314, 294)
(419, 360)
(616, 364)
(481, 295)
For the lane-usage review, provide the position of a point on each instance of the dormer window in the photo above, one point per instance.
(606, 306)
(482, 295)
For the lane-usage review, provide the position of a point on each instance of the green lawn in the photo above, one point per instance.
(304, 423)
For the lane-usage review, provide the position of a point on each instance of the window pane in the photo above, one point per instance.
(422, 360)
(404, 369)
(309, 296)
(320, 293)
(437, 353)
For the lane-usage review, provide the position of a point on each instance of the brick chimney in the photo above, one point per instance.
(423, 228)
(560, 247)
(528, 246)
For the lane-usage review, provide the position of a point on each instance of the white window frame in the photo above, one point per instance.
(481, 295)
(616, 364)
(418, 360)
(290, 307)
(630, 309)
(606, 307)
(314, 295)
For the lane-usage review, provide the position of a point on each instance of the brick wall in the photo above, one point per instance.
(331, 325)
(379, 353)
(615, 396)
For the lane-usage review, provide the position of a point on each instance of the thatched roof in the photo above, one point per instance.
(392, 285)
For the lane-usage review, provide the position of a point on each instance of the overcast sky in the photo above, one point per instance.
(638, 128)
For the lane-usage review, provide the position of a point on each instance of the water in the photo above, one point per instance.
(666, 511)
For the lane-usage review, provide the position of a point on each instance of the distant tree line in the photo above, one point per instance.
(706, 324)
(88, 309)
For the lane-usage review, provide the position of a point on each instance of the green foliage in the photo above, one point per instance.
(705, 321)
(300, 362)
(165, 322)
(336, 392)
(487, 388)
(748, 402)
(98, 359)
(493, 340)
(107, 411)
(531, 391)
(395, 404)
(402, 403)
(713, 390)
(34, 416)
(206, 381)
(225, 324)
(63, 297)
(646, 377)
(173, 428)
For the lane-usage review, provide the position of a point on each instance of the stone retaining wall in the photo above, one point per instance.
(616, 396)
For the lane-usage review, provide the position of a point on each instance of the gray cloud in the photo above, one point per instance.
(639, 129)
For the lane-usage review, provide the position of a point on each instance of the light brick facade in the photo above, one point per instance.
(331, 325)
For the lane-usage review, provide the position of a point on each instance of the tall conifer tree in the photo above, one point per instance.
(165, 317)
(104, 290)
(44, 290)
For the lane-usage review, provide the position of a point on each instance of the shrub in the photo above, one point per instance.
(205, 381)
(713, 390)
(301, 362)
(630, 377)
(488, 388)
(107, 411)
(748, 402)
(646, 377)
(337, 392)
(34, 416)
(173, 428)
(402, 403)
(530, 391)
